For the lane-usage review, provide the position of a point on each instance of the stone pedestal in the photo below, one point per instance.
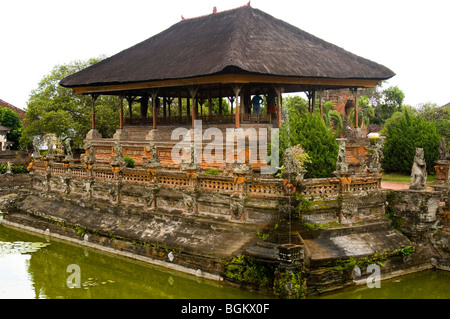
(120, 134)
(442, 171)
(93, 134)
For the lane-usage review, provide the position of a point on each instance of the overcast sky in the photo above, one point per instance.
(410, 37)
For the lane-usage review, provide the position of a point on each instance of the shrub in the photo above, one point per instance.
(129, 161)
(404, 133)
(15, 169)
(317, 141)
(212, 171)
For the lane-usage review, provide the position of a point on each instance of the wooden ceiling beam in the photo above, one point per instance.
(226, 79)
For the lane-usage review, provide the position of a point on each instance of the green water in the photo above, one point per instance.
(36, 267)
(40, 271)
(429, 284)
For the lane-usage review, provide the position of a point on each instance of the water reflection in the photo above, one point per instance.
(43, 273)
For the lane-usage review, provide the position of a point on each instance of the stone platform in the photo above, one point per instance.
(356, 242)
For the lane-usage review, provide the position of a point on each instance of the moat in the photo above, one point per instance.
(41, 273)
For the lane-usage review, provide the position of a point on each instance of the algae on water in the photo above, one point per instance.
(20, 247)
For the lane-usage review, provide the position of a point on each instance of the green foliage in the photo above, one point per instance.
(311, 133)
(403, 135)
(438, 115)
(332, 224)
(212, 171)
(244, 270)
(11, 119)
(384, 103)
(129, 161)
(407, 250)
(53, 109)
(332, 118)
(350, 263)
(15, 169)
(262, 236)
(396, 221)
(289, 284)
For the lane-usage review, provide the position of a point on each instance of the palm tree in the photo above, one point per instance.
(332, 118)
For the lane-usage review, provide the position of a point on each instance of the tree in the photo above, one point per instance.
(384, 102)
(404, 133)
(438, 115)
(53, 109)
(310, 132)
(11, 119)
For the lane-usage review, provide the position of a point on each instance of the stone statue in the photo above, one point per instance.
(237, 207)
(190, 203)
(341, 163)
(36, 151)
(91, 153)
(377, 157)
(154, 152)
(69, 153)
(118, 160)
(294, 162)
(442, 150)
(418, 171)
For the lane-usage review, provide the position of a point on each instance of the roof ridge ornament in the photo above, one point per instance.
(214, 12)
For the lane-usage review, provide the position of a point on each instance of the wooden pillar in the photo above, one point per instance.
(94, 98)
(130, 106)
(169, 104)
(220, 101)
(210, 104)
(154, 94)
(321, 105)
(188, 107)
(279, 91)
(164, 108)
(121, 112)
(356, 108)
(180, 110)
(313, 101)
(193, 92)
(237, 88)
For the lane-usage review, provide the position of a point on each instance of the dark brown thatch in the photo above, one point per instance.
(242, 40)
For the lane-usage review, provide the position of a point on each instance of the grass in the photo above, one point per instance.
(401, 178)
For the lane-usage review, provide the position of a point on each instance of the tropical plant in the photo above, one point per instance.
(332, 118)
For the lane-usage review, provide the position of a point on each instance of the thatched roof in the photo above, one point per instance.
(239, 41)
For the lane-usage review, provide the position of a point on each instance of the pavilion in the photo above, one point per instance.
(234, 54)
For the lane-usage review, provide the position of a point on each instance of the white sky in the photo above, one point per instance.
(410, 37)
